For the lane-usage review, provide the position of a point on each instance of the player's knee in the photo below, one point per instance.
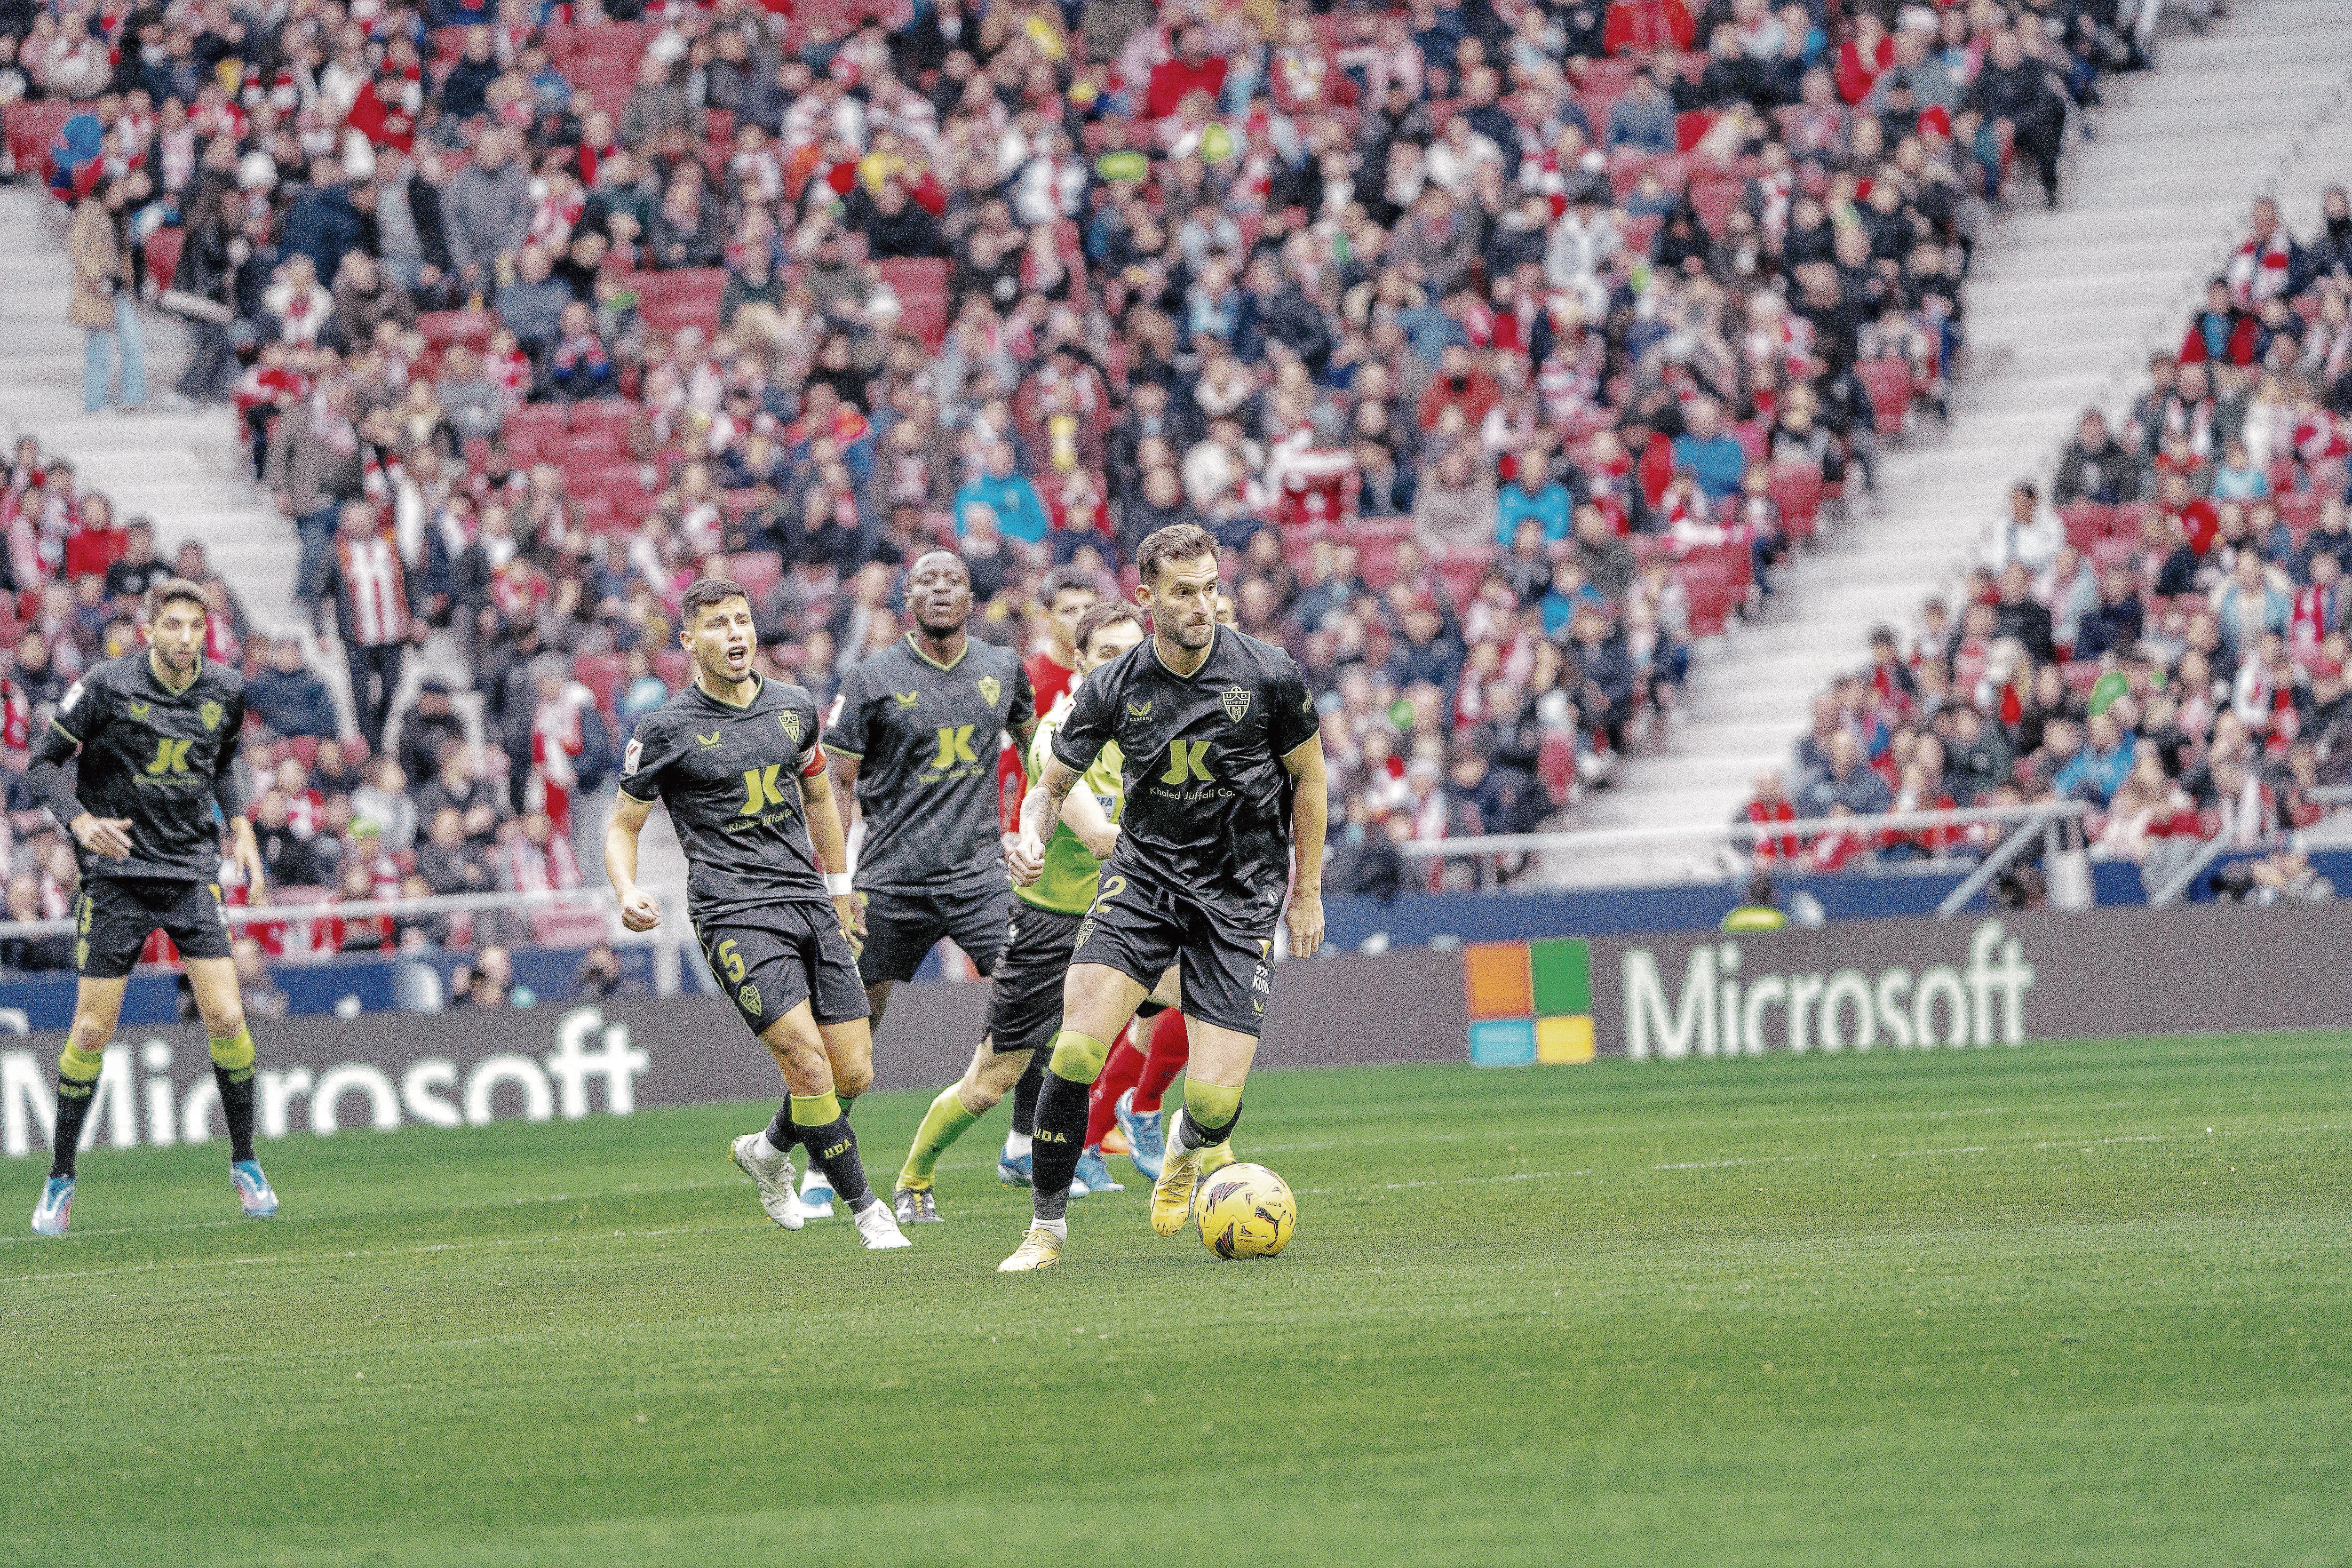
(1077, 1056)
(853, 1080)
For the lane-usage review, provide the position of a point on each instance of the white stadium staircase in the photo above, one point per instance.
(2063, 308)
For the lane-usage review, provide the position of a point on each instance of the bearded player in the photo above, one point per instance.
(913, 738)
(1024, 1008)
(157, 737)
(736, 759)
(1222, 754)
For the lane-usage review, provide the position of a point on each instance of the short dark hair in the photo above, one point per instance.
(1177, 541)
(1064, 579)
(1108, 614)
(172, 589)
(704, 591)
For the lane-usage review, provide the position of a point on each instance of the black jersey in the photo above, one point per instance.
(1208, 800)
(156, 757)
(730, 777)
(926, 736)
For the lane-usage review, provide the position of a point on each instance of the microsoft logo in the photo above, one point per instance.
(1528, 1001)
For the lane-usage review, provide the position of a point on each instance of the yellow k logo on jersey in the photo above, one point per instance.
(1188, 760)
(171, 756)
(761, 789)
(955, 746)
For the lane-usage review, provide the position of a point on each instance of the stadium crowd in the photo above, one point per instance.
(2163, 635)
(1507, 346)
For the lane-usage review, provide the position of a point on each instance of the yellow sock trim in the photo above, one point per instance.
(235, 1053)
(79, 1066)
(1078, 1058)
(1209, 1104)
(944, 1123)
(813, 1110)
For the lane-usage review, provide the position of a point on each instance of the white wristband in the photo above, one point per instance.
(836, 884)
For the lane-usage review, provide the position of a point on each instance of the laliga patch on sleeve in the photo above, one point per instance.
(72, 695)
(629, 757)
(832, 714)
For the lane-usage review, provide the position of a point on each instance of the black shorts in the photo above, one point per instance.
(901, 928)
(116, 914)
(770, 961)
(1224, 956)
(1024, 1009)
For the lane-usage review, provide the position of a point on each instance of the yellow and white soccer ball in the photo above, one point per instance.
(1244, 1210)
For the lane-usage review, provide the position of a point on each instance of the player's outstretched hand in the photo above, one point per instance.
(1024, 856)
(106, 835)
(639, 912)
(1305, 923)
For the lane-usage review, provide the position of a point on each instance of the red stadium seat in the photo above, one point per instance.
(758, 570)
(1888, 382)
(921, 285)
(2087, 522)
(31, 126)
(162, 250)
(601, 673)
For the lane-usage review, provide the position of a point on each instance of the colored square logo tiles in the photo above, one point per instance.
(1528, 1001)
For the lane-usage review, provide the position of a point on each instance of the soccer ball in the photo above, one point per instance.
(1244, 1210)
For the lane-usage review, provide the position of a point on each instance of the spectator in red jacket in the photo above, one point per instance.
(1194, 69)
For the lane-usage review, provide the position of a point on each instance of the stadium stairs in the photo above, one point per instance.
(174, 462)
(2063, 308)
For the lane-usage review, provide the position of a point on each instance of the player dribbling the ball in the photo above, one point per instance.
(1222, 759)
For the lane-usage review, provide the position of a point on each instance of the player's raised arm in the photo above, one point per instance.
(638, 909)
(1310, 813)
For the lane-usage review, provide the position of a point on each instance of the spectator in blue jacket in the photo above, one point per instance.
(1712, 455)
(289, 697)
(1644, 120)
(1007, 492)
(2099, 769)
(1537, 495)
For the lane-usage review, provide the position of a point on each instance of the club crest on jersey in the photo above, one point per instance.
(907, 699)
(710, 740)
(1139, 710)
(792, 723)
(1236, 702)
(991, 689)
(210, 713)
(750, 995)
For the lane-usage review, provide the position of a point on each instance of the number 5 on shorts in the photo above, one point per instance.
(729, 962)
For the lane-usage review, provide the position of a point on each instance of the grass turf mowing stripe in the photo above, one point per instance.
(2087, 1330)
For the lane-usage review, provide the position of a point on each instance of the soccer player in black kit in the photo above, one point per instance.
(737, 760)
(1223, 758)
(913, 738)
(156, 733)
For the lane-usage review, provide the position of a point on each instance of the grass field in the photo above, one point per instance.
(2087, 1303)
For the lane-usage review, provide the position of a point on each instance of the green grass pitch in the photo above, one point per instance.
(2087, 1303)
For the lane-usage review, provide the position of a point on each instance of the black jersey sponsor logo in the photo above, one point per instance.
(170, 757)
(792, 725)
(955, 747)
(991, 689)
(761, 789)
(1236, 702)
(210, 714)
(1188, 760)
